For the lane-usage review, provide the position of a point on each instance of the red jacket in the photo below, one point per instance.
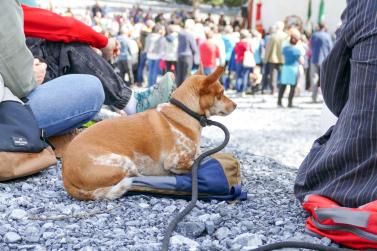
(45, 24)
(209, 52)
(240, 49)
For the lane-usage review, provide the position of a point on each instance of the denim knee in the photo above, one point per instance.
(92, 91)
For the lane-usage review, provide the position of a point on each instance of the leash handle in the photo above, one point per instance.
(194, 190)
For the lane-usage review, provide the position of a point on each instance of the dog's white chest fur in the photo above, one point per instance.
(181, 156)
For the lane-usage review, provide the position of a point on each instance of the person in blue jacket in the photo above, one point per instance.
(289, 73)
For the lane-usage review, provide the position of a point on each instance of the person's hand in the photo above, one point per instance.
(112, 49)
(39, 70)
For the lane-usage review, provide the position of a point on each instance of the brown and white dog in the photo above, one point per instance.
(99, 162)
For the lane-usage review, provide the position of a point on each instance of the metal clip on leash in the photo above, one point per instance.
(194, 191)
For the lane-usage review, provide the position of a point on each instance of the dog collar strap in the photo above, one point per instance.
(201, 118)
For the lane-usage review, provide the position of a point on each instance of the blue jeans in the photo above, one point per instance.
(154, 70)
(242, 77)
(67, 102)
(208, 70)
(140, 68)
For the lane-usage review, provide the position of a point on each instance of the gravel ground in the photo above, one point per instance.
(37, 214)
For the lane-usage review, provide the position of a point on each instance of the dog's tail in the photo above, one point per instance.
(110, 192)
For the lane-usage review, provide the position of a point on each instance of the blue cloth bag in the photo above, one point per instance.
(218, 178)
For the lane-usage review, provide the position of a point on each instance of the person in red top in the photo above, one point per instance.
(209, 52)
(242, 72)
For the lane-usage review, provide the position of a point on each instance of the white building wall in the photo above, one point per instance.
(275, 10)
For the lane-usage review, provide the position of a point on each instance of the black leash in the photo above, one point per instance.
(194, 173)
(194, 191)
(298, 244)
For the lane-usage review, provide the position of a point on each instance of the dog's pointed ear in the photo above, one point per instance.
(214, 76)
(200, 70)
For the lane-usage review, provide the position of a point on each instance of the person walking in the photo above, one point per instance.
(170, 48)
(209, 53)
(242, 71)
(153, 49)
(229, 43)
(273, 57)
(144, 33)
(293, 57)
(124, 61)
(187, 52)
(321, 44)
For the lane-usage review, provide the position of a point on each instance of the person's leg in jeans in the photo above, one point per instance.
(153, 69)
(140, 69)
(66, 103)
(266, 77)
(179, 71)
(157, 71)
(239, 79)
(245, 78)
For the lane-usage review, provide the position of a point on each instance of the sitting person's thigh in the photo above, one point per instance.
(67, 102)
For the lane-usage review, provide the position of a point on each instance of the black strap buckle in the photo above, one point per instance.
(203, 121)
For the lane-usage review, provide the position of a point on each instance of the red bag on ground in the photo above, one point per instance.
(351, 227)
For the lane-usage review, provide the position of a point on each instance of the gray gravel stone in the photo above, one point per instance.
(170, 209)
(210, 227)
(179, 241)
(222, 233)
(48, 235)
(12, 237)
(26, 186)
(247, 241)
(191, 229)
(18, 214)
(31, 233)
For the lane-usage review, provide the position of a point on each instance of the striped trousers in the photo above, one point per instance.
(342, 164)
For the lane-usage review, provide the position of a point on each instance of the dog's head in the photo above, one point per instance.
(205, 94)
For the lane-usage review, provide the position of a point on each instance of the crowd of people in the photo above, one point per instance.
(265, 62)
